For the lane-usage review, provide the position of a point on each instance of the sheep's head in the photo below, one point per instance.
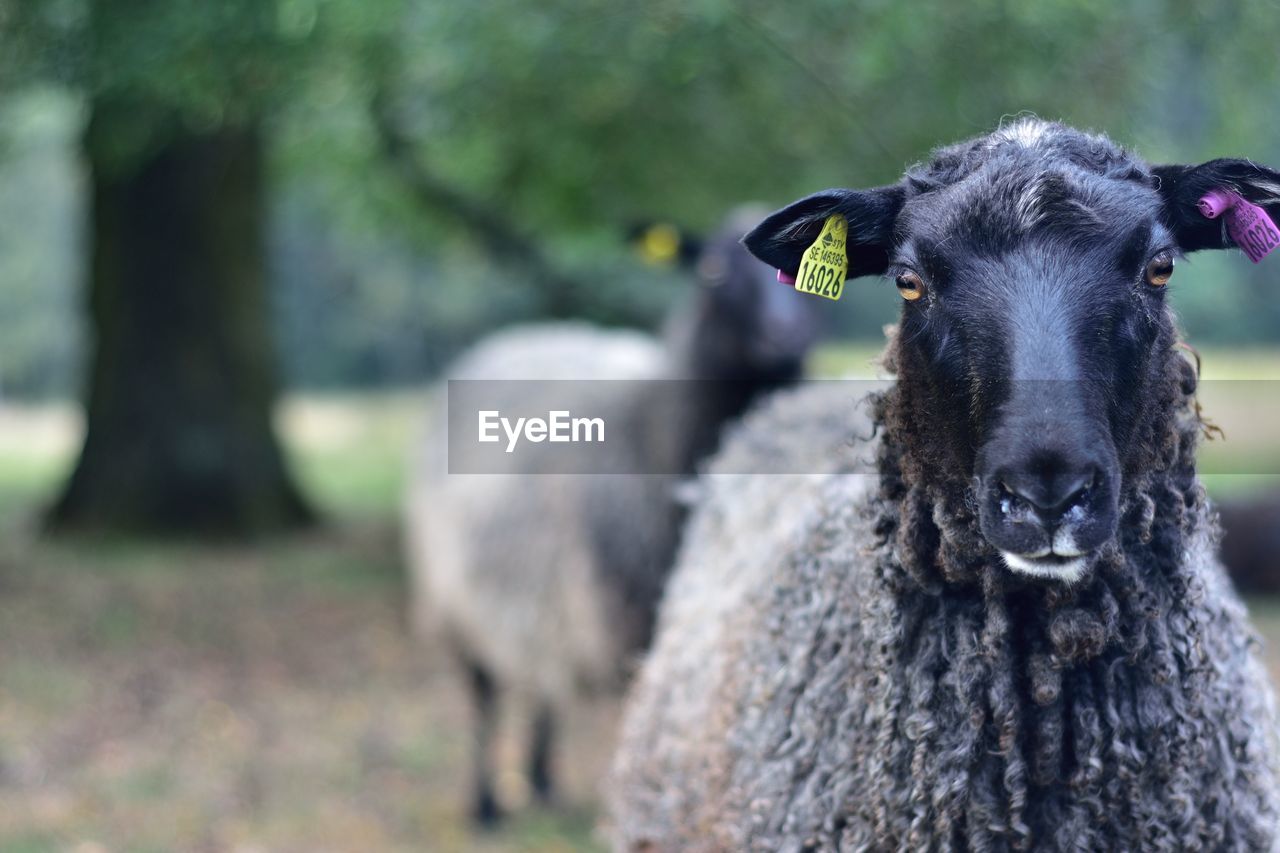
(747, 326)
(1034, 340)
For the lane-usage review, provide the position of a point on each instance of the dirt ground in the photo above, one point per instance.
(186, 697)
(240, 699)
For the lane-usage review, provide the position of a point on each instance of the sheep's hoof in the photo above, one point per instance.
(485, 812)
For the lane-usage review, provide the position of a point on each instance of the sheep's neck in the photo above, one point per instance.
(680, 423)
(705, 392)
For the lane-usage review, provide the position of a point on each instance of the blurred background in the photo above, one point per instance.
(239, 238)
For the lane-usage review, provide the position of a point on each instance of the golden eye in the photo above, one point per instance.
(910, 285)
(1159, 269)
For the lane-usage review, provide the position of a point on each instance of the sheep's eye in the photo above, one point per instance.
(1159, 269)
(910, 285)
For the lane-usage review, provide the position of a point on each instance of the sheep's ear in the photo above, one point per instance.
(1182, 187)
(782, 238)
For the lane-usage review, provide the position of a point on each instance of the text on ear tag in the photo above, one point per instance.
(1248, 224)
(824, 264)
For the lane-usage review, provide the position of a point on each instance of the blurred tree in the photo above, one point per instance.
(182, 375)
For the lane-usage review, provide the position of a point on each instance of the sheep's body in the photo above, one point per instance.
(800, 695)
(509, 571)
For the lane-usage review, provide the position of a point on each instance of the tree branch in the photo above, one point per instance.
(502, 238)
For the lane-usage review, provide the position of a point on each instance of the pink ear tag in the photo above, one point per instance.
(786, 279)
(1247, 223)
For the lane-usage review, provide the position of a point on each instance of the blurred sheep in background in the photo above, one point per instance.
(547, 585)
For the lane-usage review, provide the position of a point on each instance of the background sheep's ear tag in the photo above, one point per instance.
(824, 264)
(659, 244)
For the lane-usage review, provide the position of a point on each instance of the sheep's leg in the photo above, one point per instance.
(544, 729)
(484, 696)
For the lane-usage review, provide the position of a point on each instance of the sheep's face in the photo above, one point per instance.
(1034, 337)
(748, 326)
(1040, 315)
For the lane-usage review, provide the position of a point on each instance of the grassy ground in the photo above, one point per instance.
(268, 698)
(177, 697)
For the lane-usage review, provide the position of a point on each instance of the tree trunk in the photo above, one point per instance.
(182, 382)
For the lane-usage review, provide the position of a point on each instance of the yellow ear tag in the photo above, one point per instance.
(660, 244)
(824, 264)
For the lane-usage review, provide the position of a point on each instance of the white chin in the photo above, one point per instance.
(1066, 570)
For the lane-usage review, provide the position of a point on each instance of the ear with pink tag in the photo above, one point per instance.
(1247, 223)
(1222, 204)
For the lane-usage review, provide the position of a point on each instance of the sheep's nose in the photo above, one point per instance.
(1050, 491)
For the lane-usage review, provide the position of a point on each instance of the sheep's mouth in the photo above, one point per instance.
(1058, 542)
(1047, 565)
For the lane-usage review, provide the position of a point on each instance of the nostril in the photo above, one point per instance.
(1009, 493)
(1080, 495)
(1048, 494)
(1012, 505)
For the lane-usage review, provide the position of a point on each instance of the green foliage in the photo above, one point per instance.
(564, 122)
(578, 113)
